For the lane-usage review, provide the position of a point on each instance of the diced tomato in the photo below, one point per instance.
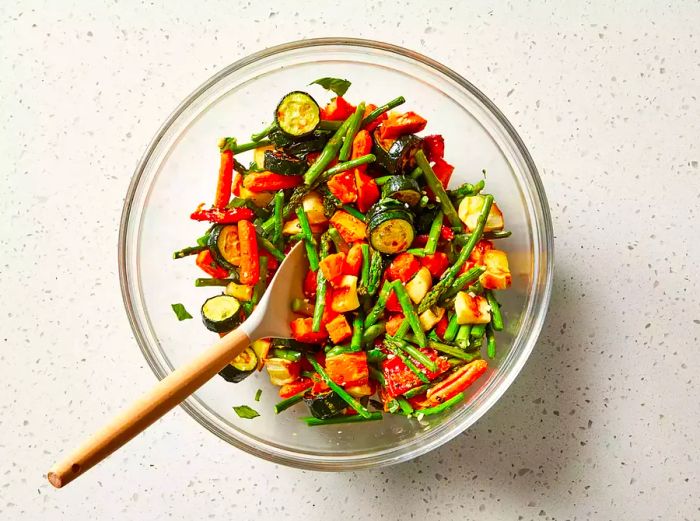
(302, 331)
(434, 147)
(332, 266)
(399, 378)
(224, 184)
(455, 383)
(206, 262)
(250, 261)
(374, 124)
(353, 260)
(367, 191)
(289, 390)
(309, 286)
(441, 326)
(393, 324)
(403, 267)
(339, 329)
(270, 182)
(337, 109)
(348, 368)
(343, 186)
(436, 263)
(446, 233)
(397, 125)
(392, 303)
(350, 227)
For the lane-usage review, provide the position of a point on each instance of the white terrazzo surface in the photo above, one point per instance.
(604, 421)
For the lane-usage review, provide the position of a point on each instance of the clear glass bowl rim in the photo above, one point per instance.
(534, 320)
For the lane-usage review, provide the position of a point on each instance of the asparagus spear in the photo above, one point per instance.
(371, 416)
(376, 267)
(357, 331)
(382, 109)
(278, 209)
(490, 342)
(308, 239)
(452, 328)
(329, 152)
(353, 127)
(496, 316)
(462, 339)
(264, 132)
(411, 351)
(190, 250)
(372, 332)
(434, 234)
(410, 313)
(378, 308)
(338, 241)
(320, 287)
(265, 243)
(437, 188)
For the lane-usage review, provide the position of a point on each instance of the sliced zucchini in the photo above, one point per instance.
(225, 246)
(390, 227)
(220, 313)
(259, 155)
(397, 156)
(324, 405)
(241, 367)
(281, 163)
(297, 114)
(402, 188)
(313, 143)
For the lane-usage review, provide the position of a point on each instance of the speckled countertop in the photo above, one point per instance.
(603, 422)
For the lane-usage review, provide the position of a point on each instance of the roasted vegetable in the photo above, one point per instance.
(297, 114)
(390, 227)
(220, 313)
(396, 156)
(402, 188)
(241, 367)
(324, 405)
(281, 163)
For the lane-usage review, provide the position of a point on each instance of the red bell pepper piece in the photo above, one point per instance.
(222, 215)
(367, 191)
(434, 147)
(270, 182)
(206, 262)
(320, 386)
(361, 146)
(332, 266)
(403, 267)
(420, 241)
(399, 378)
(441, 326)
(348, 369)
(302, 331)
(392, 303)
(343, 187)
(436, 263)
(237, 183)
(394, 323)
(338, 109)
(455, 383)
(223, 186)
(289, 390)
(397, 125)
(310, 284)
(443, 171)
(250, 261)
(353, 260)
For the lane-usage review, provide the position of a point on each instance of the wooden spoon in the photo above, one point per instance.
(271, 318)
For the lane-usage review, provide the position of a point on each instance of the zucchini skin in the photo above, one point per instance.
(213, 244)
(399, 157)
(380, 216)
(286, 125)
(221, 326)
(324, 405)
(280, 163)
(402, 188)
(240, 368)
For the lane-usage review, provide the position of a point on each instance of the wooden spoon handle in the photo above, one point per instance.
(165, 395)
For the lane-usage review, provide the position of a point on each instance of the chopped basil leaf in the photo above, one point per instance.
(243, 411)
(181, 312)
(257, 395)
(336, 85)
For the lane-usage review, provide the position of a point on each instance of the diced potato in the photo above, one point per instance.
(469, 210)
(419, 285)
(261, 348)
(472, 310)
(292, 227)
(313, 206)
(497, 274)
(259, 155)
(282, 371)
(345, 296)
(259, 198)
(358, 391)
(240, 291)
(430, 317)
(349, 226)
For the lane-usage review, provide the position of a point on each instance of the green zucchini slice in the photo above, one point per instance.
(324, 405)
(313, 143)
(297, 114)
(281, 163)
(398, 156)
(241, 367)
(224, 246)
(402, 188)
(220, 313)
(390, 227)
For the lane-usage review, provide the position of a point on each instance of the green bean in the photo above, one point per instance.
(329, 152)
(205, 282)
(239, 149)
(190, 250)
(411, 393)
(278, 210)
(410, 313)
(478, 330)
(378, 308)
(452, 351)
(463, 280)
(354, 212)
(382, 109)
(418, 252)
(437, 188)
(315, 422)
(462, 339)
(452, 328)
(376, 268)
(403, 329)
(405, 406)
(364, 274)
(357, 330)
(375, 356)
(352, 402)
(449, 276)
(381, 181)
(377, 375)
(308, 239)
(286, 354)
(440, 408)
(340, 245)
(353, 127)
(258, 394)
(340, 350)
(496, 316)
(490, 342)
(434, 234)
(407, 361)
(265, 243)
(288, 402)
(264, 132)
(414, 353)
(467, 189)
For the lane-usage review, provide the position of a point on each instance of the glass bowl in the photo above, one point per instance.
(178, 171)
